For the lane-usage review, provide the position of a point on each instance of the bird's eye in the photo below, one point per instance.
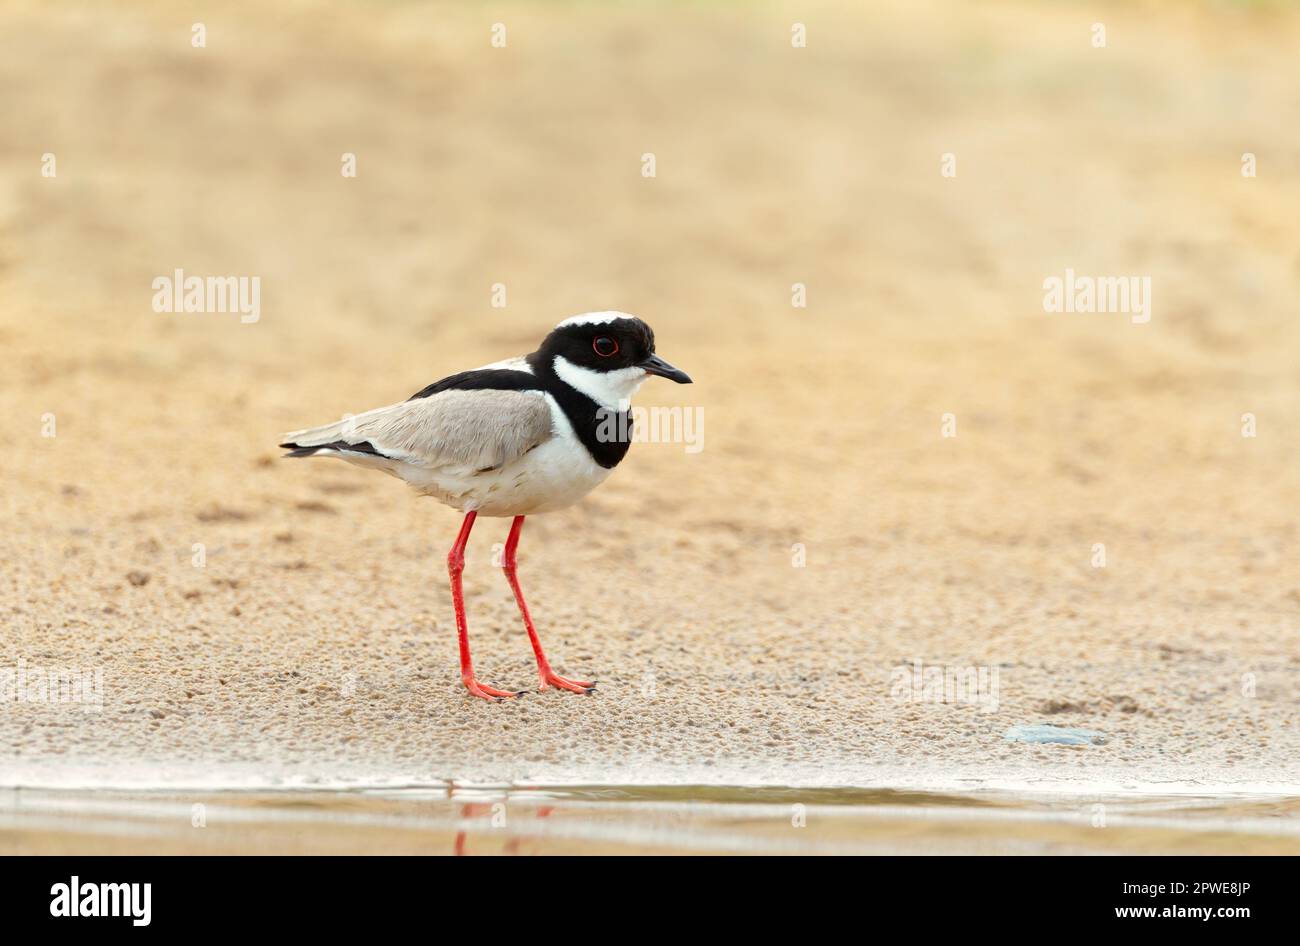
(604, 346)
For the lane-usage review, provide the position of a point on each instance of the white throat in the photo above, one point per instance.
(611, 389)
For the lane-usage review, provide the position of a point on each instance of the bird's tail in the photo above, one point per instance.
(328, 439)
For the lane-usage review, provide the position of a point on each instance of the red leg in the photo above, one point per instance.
(548, 676)
(455, 568)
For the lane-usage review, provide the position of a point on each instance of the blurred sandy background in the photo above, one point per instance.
(317, 644)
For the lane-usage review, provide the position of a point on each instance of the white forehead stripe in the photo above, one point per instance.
(594, 318)
(606, 388)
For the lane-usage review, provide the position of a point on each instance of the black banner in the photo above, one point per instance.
(339, 894)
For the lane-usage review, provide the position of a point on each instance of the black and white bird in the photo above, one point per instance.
(522, 436)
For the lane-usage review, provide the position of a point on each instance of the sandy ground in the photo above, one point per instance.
(315, 643)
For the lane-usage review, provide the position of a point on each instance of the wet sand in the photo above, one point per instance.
(745, 608)
(689, 819)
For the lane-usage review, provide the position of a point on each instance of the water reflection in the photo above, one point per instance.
(473, 820)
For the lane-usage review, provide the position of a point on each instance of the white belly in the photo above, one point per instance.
(551, 476)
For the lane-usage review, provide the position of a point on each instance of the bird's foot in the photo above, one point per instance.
(550, 678)
(491, 694)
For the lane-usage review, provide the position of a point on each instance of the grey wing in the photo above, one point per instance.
(477, 429)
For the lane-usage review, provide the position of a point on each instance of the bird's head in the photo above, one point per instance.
(605, 355)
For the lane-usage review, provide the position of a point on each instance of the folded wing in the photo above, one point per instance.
(478, 429)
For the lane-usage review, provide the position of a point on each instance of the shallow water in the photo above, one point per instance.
(465, 820)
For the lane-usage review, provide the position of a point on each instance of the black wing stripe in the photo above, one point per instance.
(494, 379)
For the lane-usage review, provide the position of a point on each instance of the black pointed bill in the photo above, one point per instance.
(656, 365)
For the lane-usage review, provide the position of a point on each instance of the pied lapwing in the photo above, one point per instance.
(514, 438)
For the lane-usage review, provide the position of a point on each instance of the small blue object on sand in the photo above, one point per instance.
(1058, 734)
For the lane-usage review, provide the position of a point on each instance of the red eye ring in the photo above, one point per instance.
(596, 346)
